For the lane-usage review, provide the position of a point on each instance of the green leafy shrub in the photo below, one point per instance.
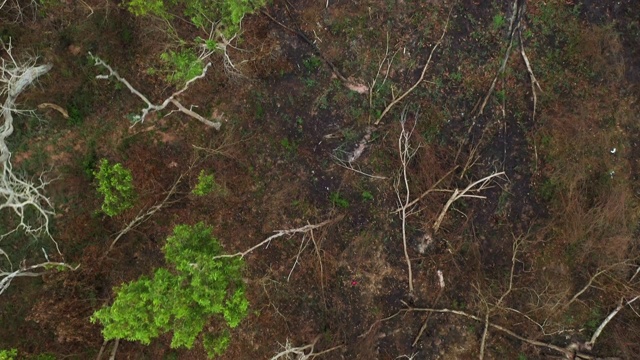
(8, 354)
(184, 65)
(183, 299)
(228, 13)
(115, 183)
(206, 184)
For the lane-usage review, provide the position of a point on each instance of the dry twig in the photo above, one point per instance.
(422, 75)
(476, 186)
(406, 153)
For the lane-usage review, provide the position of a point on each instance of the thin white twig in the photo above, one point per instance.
(278, 233)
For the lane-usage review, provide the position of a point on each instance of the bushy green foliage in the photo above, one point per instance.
(8, 354)
(216, 345)
(184, 65)
(228, 13)
(115, 183)
(181, 300)
(206, 184)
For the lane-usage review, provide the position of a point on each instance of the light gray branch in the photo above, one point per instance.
(170, 100)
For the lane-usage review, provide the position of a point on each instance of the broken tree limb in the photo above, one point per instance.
(604, 323)
(569, 353)
(278, 233)
(306, 352)
(349, 83)
(170, 100)
(28, 271)
(428, 191)
(532, 77)
(147, 213)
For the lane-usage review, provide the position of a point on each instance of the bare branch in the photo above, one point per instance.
(424, 72)
(171, 99)
(146, 214)
(278, 233)
(604, 323)
(532, 77)
(406, 153)
(514, 25)
(502, 329)
(7, 277)
(478, 185)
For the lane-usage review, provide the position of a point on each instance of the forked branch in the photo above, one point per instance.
(170, 100)
(475, 186)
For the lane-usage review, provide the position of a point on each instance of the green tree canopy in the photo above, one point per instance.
(180, 300)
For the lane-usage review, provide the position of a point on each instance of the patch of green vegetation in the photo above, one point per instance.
(456, 76)
(366, 196)
(458, 305)
(503, 202)
(431, 133)
(338, 200)
(89, 160)
(80, 105)
(182, 65)
(229, 13)
(216, 345)
(180, 301)
(290, 146)
(312, 63)
(44, 356)
(115, 183)
(498, 22)
(10, 354)
(309, 82)
(206, 184)
(595, 319)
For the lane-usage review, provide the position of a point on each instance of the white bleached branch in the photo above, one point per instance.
(170, 100)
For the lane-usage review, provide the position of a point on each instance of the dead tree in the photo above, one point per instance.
(18, 194)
